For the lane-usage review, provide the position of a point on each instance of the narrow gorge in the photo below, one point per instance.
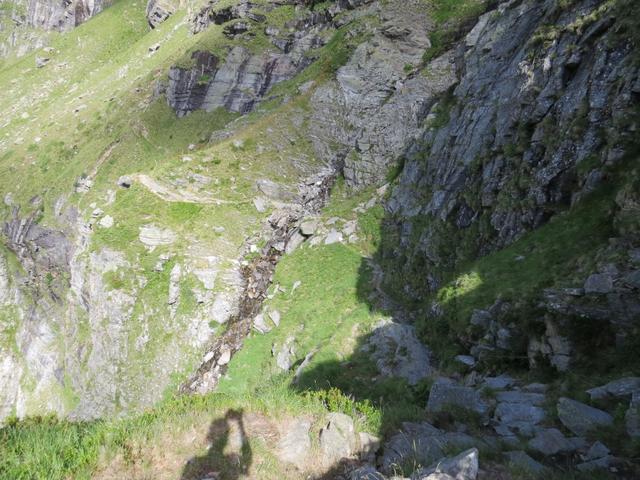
(303, 239)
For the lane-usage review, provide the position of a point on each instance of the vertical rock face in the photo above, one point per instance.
(378, 101)
(25, 23)
(237, 84)
(523, 132)
(240, 80)
(159, 10)
(62, 15)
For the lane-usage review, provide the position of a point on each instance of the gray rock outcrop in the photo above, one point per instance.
(62, 15)
(397, 352)
(490, 167)
(445, 393)
(581, 418)
(159, 10)
(376, 106)
(237, 83)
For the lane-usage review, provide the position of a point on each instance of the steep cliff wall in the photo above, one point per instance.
(24, 24)
(544, 101)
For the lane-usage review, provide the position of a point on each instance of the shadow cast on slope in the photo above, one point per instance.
(229, 455)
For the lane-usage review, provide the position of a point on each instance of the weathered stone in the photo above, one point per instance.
(285, 354)
(463, 466)
(337, 438)
(581, 418)
(62, 16)
(523, 461)
(417, 443)
(238, 84)
(519, 416)
(633, 279)
(153, 236)
(274, 315)
(160, 10)
(521, 397)
(551, 441)
(309, 227)
(294, 242)
(366, 473)
(467, 360)
(499, 383)
(596, 464)
(444, 394)
(260, 204)
(597, 450)
(106, 221)
(260, 324)
(397, 352)
(617, 388)
(295, 444)
(368, 446)
(333, 236)
(598, 283)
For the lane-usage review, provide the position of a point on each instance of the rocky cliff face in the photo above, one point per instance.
(24, 23)
(62, 15)
(524, 133)
(239, 79)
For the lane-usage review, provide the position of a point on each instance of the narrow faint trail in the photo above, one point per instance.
(169, 194)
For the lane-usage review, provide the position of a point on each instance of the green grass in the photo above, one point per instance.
(451, 18)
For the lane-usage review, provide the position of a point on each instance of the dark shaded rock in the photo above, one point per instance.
(617, 388)
(397, 352)
(551, 441)
(444, 393)
(523, 461)
(463, 466)
(581, 418)
(598, 283)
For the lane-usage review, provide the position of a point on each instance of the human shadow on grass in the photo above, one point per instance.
(229, 455)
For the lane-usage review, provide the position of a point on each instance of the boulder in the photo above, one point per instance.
(260, 324)
(466, 360)
(519, 416)
(521, 460)
(597, 464)
(444, 394)
(368, 446)
(160, 10)
(415, 444)
(337, 438)
(106, 221)
(295, 443)
(125, 181)
(309, 227)
(333, 236)
(551, 441)
(617, 388)
(581, 418)
(461, 467)
(366, 473)
(397, 352)
(598, 283)
(498, 383)
(285, 354)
